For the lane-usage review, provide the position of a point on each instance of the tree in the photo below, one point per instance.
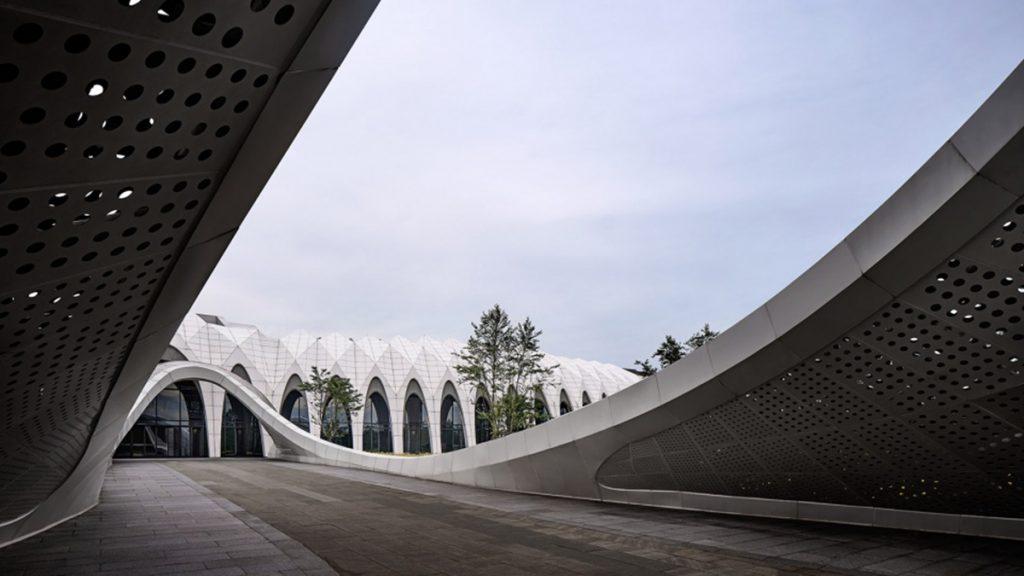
(644, 367)
(670, 350)
(700, 338)
(503, 362)
(330, 394)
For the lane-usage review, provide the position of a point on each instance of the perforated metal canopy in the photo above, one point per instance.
(134, 136)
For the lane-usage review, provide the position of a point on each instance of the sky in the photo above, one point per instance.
(616, 171)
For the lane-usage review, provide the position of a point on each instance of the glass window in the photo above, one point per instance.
(453, 436)
(541, 410)
(376, 424)
(483, 425)
(173, 425)
(240, 431)
(416, 432)
(343, 435)
(296, 409)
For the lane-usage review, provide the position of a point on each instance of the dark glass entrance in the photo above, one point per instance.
(376, 425)
(416, 432)
(172, 426)
(343, 435)
(453, 435)
(296, 410)
(240, 431)
(483, 425)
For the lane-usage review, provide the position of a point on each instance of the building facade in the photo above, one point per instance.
(412, 400)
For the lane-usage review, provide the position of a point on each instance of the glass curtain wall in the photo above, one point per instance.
(296, 409)
(240, 431)
(415, 432)
(343, 437)
(376, 425)
(453, 435)
(172, 426)
(483, 425)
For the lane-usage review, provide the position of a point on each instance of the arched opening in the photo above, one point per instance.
(586, 398)
(453, 434)
(343, 429)
(296, 409)
(241, 372)
(376, 424)
(564, 406)
(415, 431)
(172, 426)
(603, 395)
(482, 424)
(540, 410)
(239, 431)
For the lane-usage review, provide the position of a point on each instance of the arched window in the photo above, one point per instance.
(564, 406)
(241, 372)
(239, 431)
(453, 435)
(343, 434)
(483, 425)
(586, 398)
(296, 409)
(603, 395)
(415, 432)
(541, 411)
(172, 426)
(376, 424)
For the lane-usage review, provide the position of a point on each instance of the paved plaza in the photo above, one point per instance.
(236, 517)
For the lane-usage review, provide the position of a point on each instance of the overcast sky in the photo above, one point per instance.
(617, 171)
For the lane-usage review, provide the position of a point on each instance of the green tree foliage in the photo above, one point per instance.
(329, 394)
(503, 362)
(644, 367)
(670, 350)
(700, 338)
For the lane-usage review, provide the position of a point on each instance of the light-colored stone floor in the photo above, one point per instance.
(154, 520)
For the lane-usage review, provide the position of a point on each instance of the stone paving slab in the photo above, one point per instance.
(154, 520)
(364, 528)
(238, 517)
(834, 547)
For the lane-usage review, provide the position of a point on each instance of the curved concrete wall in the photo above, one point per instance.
(136, 138)
(953, 226)
(881, 387)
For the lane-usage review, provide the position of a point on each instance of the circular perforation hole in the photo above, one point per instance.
(77, 43)
(284, 14)
(170, 10)
(232, 37)
(119, 52)
(54, 80)
(28, 33)
(204, 24)
(96, 87)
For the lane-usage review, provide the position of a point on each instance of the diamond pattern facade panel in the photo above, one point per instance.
(399, 364)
